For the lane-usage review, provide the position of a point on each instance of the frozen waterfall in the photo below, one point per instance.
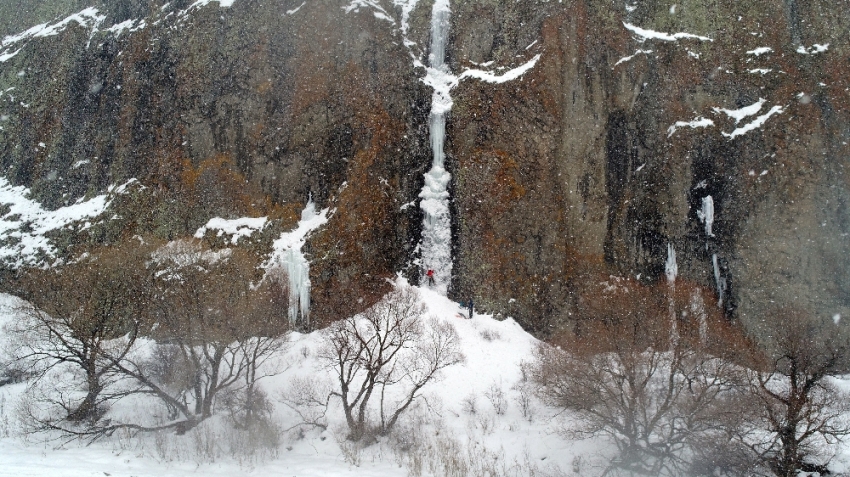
(698, 311)
(287, 255)
(435, 246)
(671, 268)
(298, 272)
(706, 215)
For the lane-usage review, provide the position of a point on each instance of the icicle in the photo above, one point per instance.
(698, 310)
(671, 269)
(718, 280)
(707, 214)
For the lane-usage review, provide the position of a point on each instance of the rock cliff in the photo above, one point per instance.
(586, 139)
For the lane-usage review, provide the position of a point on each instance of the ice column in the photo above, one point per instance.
(706, 214)
(698, 310)
(298, 272)
(671, 269)
(287, 254)
(435, 246)
(718, 279)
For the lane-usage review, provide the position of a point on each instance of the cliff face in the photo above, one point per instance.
(713, 130)
(608, 151)
(228, 112)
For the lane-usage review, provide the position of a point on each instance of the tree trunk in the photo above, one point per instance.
(87, 410)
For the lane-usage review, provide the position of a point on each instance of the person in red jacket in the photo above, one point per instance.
(430, 275)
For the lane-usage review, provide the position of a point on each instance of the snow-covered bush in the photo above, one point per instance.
(497, 398)
(470, 404)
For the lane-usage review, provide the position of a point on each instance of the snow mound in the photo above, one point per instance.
(474, 404)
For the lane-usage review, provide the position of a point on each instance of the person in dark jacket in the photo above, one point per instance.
(471, 308)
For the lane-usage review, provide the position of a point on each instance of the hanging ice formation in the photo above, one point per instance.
(435, 246)
(298, 271)
(706, 215)
(671, 269)
(288, 256)
(698, 310)
(718, 279)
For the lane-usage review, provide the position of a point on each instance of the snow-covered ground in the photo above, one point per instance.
(478, 413)
(473, 411)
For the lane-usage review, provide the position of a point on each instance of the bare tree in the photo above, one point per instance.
(212, 331)
(262, 340)
(657, 403)
(386, 351)
(798, 414)
(78, 315)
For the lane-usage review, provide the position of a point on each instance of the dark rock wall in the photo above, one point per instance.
(570, 173)
(561, 178)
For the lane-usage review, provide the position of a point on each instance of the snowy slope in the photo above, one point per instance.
(500, 433)
(494, 351)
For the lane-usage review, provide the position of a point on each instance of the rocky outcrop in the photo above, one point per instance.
(627, 136)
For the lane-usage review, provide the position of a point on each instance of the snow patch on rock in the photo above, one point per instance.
(238, 228)
(510, 75)
(755, 124)
(739, 114)
(814, 50)
(644, 34)
(760, 51)
(24, 223)
(699, 122)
